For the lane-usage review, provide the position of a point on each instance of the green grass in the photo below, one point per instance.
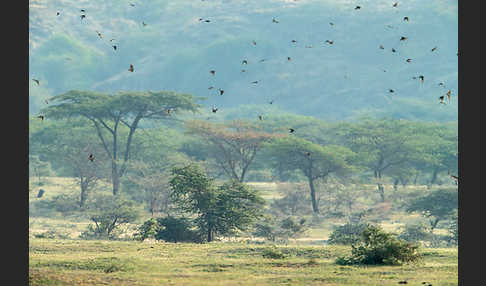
(76, 262)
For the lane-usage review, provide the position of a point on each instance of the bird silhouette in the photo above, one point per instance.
(409, 60)
(449, 95)
(47, 102)
(41, 117)
(275, 21)
(442, 99)
(405, 18)
(167, 111)
(357, 7)
(211, 87)
(130, 69)
(308, 154)
(294, 41)
(289, 59)
(244, 62)
(402, 282)
(212, 72)
(291, 130)
(391, 91)
(381, 47)
(421, 78)
(331, 23)
(99, 35)
(403, 38)
(393, 50)
(329, 42)
(214, 109)
(131, 4)
(114, 47)
(207, 21)
(82, 17)
(271, 101)
(144, 24)
(58, 13)
(441, 84)
(82, 10)
(36, 81)
(262, 60)
(395, 4)
(255, 82)
(254, 43)
(91, 157)
(221, 91)
(433, 49)
(243, 70)
(260, 117)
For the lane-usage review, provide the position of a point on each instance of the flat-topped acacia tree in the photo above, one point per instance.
(116, 117)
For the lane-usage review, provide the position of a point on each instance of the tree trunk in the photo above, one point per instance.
(415, 179)
(381, 189)
(434, 176)
(84, 194)
(395, 185)
(115, 178)
(210, 235)
(313, 196)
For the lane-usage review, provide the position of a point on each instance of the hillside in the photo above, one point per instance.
(175, 51)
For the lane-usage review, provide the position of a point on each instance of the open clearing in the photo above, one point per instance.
(77, 262)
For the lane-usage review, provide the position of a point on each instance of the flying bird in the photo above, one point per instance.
(207, 21)
(131, 4)
(214, 109)
(409, 60)
(393, 50)
(433, 49)
(442, 99)
(421, 78)
(357, 8)
(331, 23)
(212, 72)
(254, 43)
(47, 102)
(82, 17)
(58, 13)
(211, 87)
(275, 21)
(262, 60)
(308, 153)
(405, 18)
(271, 101)
(260, 117)
(391, 91)
(291, 130)
(441, 84)
(114, 47)
(41, 117)
(449, 95)
(255, 82)
(91, 157)
(381, 47)
(244, 62)
(403, 38)
(36, 81)
(243, 70)
(329, 42)
(82, 10)
(167, 111)
(289, 59)
(130, 69)
(144, 24)
(395, 4)
(99, 35)
(221, 91)
(294, 41)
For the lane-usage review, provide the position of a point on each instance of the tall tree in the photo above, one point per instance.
(218, 209)
(234, 145)
(112, 114)
(313, 160)
(381, 145)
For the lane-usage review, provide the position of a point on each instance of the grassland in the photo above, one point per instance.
(70, 261)
(76, 262)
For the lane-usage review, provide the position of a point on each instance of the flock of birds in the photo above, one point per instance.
(244, 62)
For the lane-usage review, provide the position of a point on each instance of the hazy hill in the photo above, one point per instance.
(176, 51)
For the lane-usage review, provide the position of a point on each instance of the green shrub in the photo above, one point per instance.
(347, 234)
(173, 229)
(273, 253)
(147, 230)
(415, 233)
(376, 247)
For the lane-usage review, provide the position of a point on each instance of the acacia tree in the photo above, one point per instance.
(313, 160)
(234, 145)
(112, 114)
(381, 145)
(218, 209)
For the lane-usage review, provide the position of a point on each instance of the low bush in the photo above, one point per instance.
(376, 247)
(173, 229)
(347, 234)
